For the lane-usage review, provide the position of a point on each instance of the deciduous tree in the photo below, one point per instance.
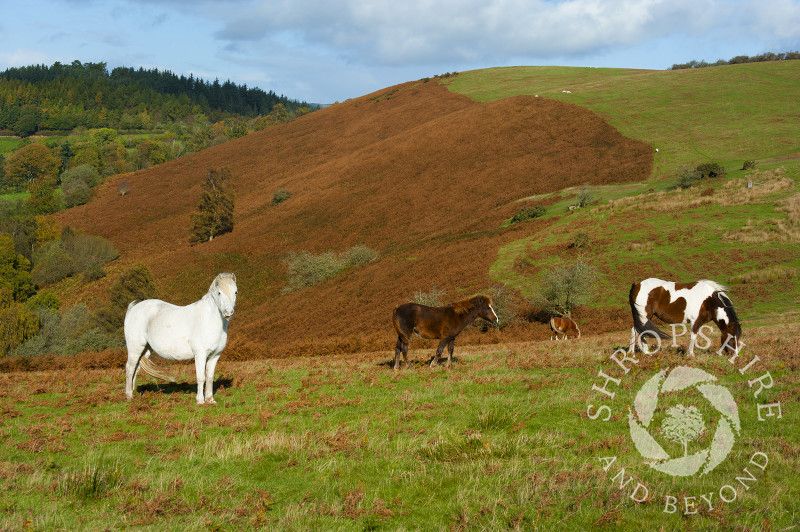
(28, 164)
(214, 215)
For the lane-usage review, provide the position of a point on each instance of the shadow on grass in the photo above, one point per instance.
(181, 387)
(417, 363)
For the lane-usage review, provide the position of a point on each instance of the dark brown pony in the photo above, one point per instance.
(443, 323)
(565, 326)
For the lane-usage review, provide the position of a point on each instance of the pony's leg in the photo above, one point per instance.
(135, 353)
(692, 341)
(633, 341)
(439, 350)
(211, 365)
(398, 348)
(405, 354)
(200, 357)
(450, 347)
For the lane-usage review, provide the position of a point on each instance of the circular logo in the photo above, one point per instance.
(682, 424)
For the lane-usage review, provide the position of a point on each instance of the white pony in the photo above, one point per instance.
(198, 330)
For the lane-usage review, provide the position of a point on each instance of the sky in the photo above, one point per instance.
(324, 51)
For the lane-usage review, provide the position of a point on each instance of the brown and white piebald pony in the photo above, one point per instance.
(564, 325)
(694, 304)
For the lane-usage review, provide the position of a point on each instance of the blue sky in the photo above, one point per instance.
(323, 51)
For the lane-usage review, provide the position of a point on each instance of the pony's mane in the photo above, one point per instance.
(226, 281)
(713, 285)
(465, 306)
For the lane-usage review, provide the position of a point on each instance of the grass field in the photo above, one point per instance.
(501, 440)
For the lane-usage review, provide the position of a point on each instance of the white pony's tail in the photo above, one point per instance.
(151, 369)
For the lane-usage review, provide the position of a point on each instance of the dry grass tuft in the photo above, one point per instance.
(773, 273)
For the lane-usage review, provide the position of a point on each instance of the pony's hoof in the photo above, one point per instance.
(210, 401)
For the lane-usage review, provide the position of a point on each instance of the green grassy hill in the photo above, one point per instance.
(726, 114)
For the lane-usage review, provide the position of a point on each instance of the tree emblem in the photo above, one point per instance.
(683, 424)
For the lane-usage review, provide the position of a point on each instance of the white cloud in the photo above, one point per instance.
(422, 32)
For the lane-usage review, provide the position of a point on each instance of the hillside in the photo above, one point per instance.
(424, 176)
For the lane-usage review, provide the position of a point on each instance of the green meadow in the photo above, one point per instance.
(503, 439)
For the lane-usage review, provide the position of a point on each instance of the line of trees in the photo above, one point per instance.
(64, 97)
(739, 59)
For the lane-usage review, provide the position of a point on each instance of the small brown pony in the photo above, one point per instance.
(564, 325)
(443, 323)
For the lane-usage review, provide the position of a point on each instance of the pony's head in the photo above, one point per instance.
(223, 291)
(728, 322)
(486, 309)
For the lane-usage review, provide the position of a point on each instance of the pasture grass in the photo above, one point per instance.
(500, 440)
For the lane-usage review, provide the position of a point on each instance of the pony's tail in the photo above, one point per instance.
(637, 319)
(397, 327)
(151, 369)
(578, 328)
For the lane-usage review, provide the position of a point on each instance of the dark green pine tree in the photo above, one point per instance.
(214, 214)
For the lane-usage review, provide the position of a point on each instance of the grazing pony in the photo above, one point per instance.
(694, 303)
(443, 323)
(198, 330)
(564, 325)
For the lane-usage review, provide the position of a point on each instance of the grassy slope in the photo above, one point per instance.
(722, 114)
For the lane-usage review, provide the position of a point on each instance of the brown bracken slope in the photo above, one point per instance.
(421, 175)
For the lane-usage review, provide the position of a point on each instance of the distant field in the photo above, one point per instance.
(727, 114)
(9, 144)
(501, 440)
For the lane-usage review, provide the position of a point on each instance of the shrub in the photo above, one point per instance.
(358, 256)
(75, 192)
(431, 298)
(749, 165)
(710, 170)
(504, 307)
(84, 172)
(562, 289)
(581, 240)
(280, 196)
(17, 323)
(73, 332)
(306, 269)
(43, 299)
(51, 264)
(585, 196)
(136, 283)
(528, 213)
(687, 177)
(71, 253)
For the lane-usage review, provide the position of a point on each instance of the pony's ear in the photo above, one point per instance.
(233, 276)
